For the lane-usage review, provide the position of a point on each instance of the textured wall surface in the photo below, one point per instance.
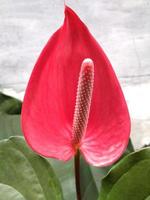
(121, 27)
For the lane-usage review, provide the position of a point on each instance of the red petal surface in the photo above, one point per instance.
(49, 102)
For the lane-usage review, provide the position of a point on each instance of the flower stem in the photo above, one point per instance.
(77, 174)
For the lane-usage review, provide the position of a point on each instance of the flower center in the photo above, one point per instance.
(83, 101)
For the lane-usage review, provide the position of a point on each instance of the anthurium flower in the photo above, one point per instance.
(73, 99)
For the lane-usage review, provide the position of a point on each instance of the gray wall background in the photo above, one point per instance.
(122, 27)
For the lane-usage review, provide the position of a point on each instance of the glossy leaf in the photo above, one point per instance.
(9, 104)
(88, 186)
(26, 172)
(65, 172)
(148, 198)
(9, 126)
(10, 109)
(129, 178)
(9, 193)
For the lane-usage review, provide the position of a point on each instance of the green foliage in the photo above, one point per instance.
(65, 172)
(88, 186)
(129, 178)
(9, 193)
(9, 126)
(26, 174)
(10, 109)
(9, 105)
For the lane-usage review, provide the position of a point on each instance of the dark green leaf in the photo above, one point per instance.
(88, 186)
(9, 126)
(9, 105)
(129, 178)
(27, 173)
(10, 109)
(65, 172)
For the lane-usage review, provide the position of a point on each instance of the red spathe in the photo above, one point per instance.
(49, 102)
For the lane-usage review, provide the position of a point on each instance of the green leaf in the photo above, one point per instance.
(9, 105)
(9, 126)
(27, 173)
(10, 109)
(65, 172)
(9, 193)
(148, 198)
(88, 186)
(129, 178)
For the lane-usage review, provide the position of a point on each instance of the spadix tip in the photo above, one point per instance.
(88, 61)
(87, 64)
